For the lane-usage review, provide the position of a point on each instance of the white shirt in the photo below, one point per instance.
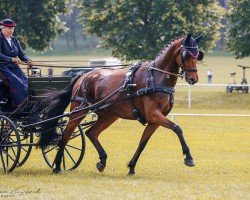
(9, 40)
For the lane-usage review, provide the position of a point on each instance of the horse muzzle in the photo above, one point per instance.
(191, 80)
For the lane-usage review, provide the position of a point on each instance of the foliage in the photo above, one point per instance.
(37, 21)
(136, 29)
(74, 28)
(239, 29)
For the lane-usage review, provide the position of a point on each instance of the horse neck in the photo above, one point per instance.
(166, 61)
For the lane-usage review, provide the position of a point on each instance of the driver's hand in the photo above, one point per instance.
(16, 60)
(30, 63)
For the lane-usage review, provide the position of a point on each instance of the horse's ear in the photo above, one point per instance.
(200, 56)
(197, 40)
(183, 56)
(187, 39)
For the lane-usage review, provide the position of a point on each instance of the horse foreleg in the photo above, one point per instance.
(148, 131)
(158, 118)
(103, 122)
(73, 123)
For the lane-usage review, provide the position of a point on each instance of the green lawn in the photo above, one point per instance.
(220, 147)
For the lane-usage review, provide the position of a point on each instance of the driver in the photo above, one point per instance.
(11, 54)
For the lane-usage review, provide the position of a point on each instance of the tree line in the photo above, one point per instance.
(132, 29)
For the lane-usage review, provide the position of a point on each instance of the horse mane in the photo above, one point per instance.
(166, 47)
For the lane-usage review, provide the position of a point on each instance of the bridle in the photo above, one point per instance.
(183, 50)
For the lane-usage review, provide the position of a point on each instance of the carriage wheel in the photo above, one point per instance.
(10, 145)
(245, 89)
(229, 89)
(73, 152)
(25, 138)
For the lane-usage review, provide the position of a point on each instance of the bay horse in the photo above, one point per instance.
(147, 96)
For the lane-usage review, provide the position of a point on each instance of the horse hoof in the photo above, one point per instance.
(56, 171)
(131, 173)
(100, 167)
(189, 162)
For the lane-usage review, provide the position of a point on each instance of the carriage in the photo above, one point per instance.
(18, 134)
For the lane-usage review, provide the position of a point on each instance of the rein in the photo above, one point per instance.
(71, 66)
(168, 73)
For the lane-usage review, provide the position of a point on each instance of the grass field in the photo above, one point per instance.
(220, 147)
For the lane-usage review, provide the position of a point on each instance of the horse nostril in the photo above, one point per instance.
(192, 81)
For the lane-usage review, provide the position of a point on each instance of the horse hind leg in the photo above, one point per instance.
(74, 121)
(104, 121)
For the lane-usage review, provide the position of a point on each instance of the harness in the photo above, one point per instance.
(84, 99)
(128, 85)
(130, 94)
(151, 87)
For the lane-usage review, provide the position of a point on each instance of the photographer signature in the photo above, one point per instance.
(22, 190)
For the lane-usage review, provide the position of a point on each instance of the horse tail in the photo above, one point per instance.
(54, 105)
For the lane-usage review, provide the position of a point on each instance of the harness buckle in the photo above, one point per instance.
(141, 92)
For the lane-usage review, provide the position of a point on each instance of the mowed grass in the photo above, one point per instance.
(220, 147)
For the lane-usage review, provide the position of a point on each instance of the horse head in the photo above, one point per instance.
(188, 56)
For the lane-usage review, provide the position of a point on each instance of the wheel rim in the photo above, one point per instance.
(73, 152)
(9, 145)
(25, 138)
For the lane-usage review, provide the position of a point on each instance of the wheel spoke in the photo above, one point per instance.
(2, 123)
(75, 136)
(4, 168)
(23, 148)
(45, 152)
(12, 141)
(74, 147)
(7, 158)
(6, 136)
(70, 155)
(64, 164)
(14, 153)
(8, 155)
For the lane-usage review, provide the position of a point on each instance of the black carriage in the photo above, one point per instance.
(17, 134)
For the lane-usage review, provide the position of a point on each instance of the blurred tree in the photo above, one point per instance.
(37, 21)
(136, 29)
(73, 26)
(238, 40)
